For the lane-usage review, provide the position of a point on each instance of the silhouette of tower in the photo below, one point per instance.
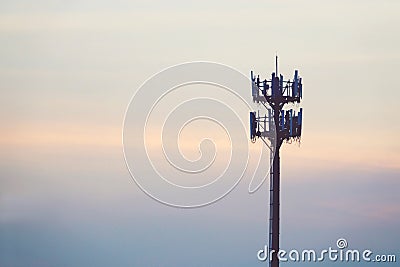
(277, 125)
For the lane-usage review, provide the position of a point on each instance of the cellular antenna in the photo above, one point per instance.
(283, 125)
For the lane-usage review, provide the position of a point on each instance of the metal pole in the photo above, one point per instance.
(285, 129)
(274, 221)
(275, 197)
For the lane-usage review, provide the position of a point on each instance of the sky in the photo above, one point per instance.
(69, 69)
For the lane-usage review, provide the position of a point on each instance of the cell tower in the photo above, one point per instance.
(277, 125)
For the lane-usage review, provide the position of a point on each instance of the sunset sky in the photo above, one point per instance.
(68, 70)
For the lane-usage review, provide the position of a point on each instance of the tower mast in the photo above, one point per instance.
(285, 126)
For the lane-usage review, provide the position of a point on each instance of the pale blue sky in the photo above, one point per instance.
(69, 68)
